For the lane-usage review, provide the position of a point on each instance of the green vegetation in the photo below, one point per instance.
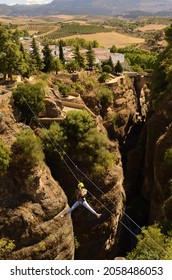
(152, 245)
(51, 138)
(4, 157)
(94, 152)
(57, 65)
(107, 68)
(64, 89)
(81, 42)
(79, 58)
(77, 123)
(29, 98)
(118, 68)
(69, 29)
(103, 77)
(90, 57)
(161, 80)
(40, 247)
(47, 59)
(6, 247)
(105, 96)
(10, 55)
(27, 151)
(137, 57)
(35, 55)
(89, 146)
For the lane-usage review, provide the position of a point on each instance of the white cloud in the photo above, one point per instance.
(13, 2)
(37, 1)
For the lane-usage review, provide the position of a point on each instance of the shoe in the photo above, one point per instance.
(99, 215)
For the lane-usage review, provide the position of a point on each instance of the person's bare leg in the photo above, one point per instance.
(86, 205)
(76, 204)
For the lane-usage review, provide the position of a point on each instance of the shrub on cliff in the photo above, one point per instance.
(95, 153)
(4, 157)
(27, 151)
(6, 247)
(29, 98)
(105, 96)
(53, 138)
(77, 123)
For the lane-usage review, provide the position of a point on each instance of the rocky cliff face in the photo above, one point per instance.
(98, 238)
(157, 184)
(30, 206)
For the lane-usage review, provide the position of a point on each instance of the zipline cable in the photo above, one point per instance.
(96, 186)
(123, 224)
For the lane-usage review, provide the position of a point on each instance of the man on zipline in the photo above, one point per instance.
(81, 193)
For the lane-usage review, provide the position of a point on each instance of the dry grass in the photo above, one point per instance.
(110, 38)
(152, 27)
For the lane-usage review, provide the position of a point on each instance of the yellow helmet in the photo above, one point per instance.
(80, 185)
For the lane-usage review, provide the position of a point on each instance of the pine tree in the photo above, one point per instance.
(79, 57)
(118, 67)
(36, 55)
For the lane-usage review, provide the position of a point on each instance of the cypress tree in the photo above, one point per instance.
(90, 57)
(48, 59)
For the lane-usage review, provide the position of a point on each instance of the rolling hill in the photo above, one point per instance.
(91, 7)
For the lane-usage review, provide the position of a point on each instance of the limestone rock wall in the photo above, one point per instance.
(30, 205)
(157, 184)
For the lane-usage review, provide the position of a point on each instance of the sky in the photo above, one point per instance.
(12, 2)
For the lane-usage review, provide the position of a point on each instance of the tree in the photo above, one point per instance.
(107, 68)
(61, 54)
(72, 66)
(118, 67)
(168, 34)
(95, 44)
(103, 77)
(105, 96)
(113, 49)
(57, 65)
(79, 57)
(108, 62)
(27, 151)
(93, 149)
(25, 67)
(90, 57)
(12, 56)
(77, 123)
(29, 98)
(161, 82)
(35, 54)
(50, 137)
(47, 59)
(4, 157)
(152, 245)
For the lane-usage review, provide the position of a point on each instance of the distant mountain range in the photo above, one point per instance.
(92, 7)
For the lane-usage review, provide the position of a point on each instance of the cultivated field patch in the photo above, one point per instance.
(110, 38)
(152, 27)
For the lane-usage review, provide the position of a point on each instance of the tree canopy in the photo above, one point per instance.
(29, 98)
(152, 245)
